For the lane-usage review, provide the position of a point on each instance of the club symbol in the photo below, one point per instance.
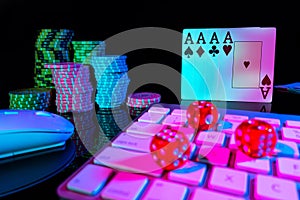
(214, 50)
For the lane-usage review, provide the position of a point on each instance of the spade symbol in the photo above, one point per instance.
(188, 52)
(266, 80)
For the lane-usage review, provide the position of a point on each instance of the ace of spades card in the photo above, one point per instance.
(228, 64)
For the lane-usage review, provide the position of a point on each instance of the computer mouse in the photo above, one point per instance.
(26, 131)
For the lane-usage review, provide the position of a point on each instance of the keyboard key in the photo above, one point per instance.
(151, 117)
(228, 180)
(210, 138)
(125, 186)
(235, 118)
(213, 155)
(128, 160)
(161, 190)
(270, 187)
(259, 165)
(273, 121)
(292, 124)
(132, 141)
(290, 134)
(201, 193)
(145, 128)
(90, 179)
(179, 112)
(175, 120)
(288, 168)
(159, 110)
(286, 149)
(191, 173)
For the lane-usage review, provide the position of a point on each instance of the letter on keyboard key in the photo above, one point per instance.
(229, 180)
(256, 165)
(210, 138)
(145, 128)
(128, 160)
(161, 190)
(124, 186)
(191, 173)
(292, 124)
(180, 112)
(274, 122)
(90, 179)
(201, 193)
(288, 168)
(151, 117)
(175, 120)
(235, 118)
(270, 187)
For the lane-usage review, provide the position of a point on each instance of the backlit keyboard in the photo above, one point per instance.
(126, 169)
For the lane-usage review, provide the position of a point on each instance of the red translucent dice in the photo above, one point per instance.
(202, 115)
(170, 148)
(256, 138)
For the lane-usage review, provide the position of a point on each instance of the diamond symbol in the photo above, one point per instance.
(200, 51)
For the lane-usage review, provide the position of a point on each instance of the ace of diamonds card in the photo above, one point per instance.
(228, 64)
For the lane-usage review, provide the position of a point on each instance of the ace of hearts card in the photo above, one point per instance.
(228, 64)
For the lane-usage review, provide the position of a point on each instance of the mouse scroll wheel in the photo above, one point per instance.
(41, 113)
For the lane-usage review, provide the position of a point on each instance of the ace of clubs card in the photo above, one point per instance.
(228, 64)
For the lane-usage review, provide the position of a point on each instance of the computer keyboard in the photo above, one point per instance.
(215, 169)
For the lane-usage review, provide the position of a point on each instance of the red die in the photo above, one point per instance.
(256, 138)
(170, 148)
(202, 115)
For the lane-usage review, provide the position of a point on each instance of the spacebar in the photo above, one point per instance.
(129, 161)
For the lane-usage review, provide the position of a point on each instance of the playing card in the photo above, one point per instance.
(228, 64)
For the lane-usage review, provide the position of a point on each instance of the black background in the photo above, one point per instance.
(99, 20)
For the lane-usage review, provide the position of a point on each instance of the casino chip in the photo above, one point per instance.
(51, 46)
(30, 99)
(138, 102)
(83, 50)
(112, 79)
(74, 88)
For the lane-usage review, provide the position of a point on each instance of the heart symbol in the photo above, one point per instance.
(227, 49)
(246, 64)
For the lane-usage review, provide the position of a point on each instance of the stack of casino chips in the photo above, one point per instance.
(139, 101)
(112, 121)
(74, 88)
(30, 99)
(83, 50)
(112, 79)
(51, 46)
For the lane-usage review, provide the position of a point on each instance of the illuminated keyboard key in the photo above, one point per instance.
(161, 190)
(179, 112)
(274, 122)
(286, 149)
(259, 165)
(201, 193)
(290, 134)
(90, 179)
(231, 129)
(292, 124)
(270, 187)
(228, 180)
(235, 118)
(159, 110)
(151, 117)
(145, 128)
(175, 120)
(132, 141)
(288, 168)
(124, 186)
(213, 155)
(128, 160)
(191, 173)
(210, 138)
